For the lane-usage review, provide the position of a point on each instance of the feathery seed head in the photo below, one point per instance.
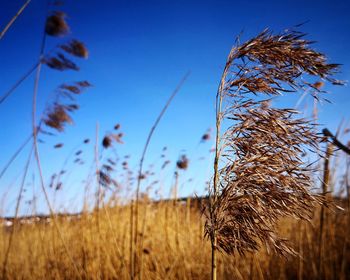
(56, 24)
(262, 177)
(76, 48)
(182, 163)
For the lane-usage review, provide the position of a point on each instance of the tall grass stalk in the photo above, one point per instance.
(13, 19)
(135, 217)
(14, 226)
(37, 156)
(325, 187)
(261, 177)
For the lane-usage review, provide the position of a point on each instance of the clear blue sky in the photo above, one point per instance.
(139, 51)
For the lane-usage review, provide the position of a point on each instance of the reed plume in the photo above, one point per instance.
(56, 24)
(259, 175)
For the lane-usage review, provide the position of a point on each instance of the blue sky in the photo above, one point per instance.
(139, 51)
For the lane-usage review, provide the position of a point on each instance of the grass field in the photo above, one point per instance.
(172, 247)
(277, 202)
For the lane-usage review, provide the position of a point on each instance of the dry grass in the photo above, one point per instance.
(262, 184)
(259, 174)
(169, 251)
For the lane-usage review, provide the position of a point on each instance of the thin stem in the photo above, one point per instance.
(37, 156)
(98, 196)
(213, 199)
(325, 183)
(26, 75)
(177, 89)
(14, 156)
(13, 19)
(41, 176)
(19, 198)
(17, 152)
(131, 242)
(16, 85)
(213, 259)
(343, 266)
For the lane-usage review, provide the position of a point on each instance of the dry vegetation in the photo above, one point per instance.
(263, 217)
(173, 248)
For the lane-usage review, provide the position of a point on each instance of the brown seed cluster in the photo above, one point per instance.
(76, 48)
(206, 136)
(273, 64)
(105, 179)
(57, 112)
(267, 179)
(56, 24)
(57, 117)
(262, 176)
(75, 88)
(182, 163)
(61, 63)
(58, 146)
(113, 137)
